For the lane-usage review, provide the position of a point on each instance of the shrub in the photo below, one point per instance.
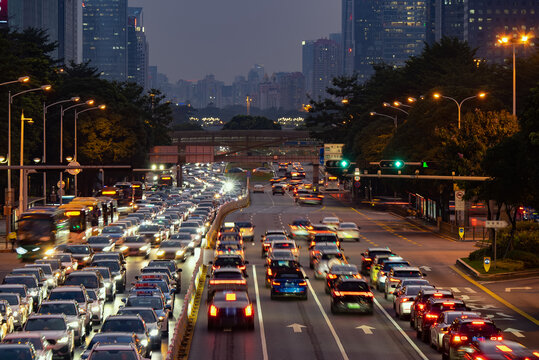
(529, 259)
(510, 265)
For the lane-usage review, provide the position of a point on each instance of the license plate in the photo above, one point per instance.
(475, 338)
(353, 306)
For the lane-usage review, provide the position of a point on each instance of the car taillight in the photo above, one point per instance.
(241, 267)
(303, 283)
(498, 338)
(420, 306)
(269, 272)
(404, 300)
(393, 279)
(431, 316)
(213, 310)
(275, 283)
(459, 338)
(313, 243)
(249, 310)
(332, 276)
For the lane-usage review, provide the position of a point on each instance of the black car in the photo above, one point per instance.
(82, 253)
(230, 260)
(418, 306)
(463, 332)
(230, 309)
(337, 271)
(276, 264)
(433, 308)
(368, 257)
(277, 189)
(350, 294)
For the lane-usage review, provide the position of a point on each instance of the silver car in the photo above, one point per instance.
(75, 319)
(404, 299)
(57, 332)
(156, 329)
(40, 344)
(20, 309)
(325, 259)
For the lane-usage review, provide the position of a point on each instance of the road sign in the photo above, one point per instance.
(459, 200)
(61, 184)
(495, 224)
(461, 233)
(333, 151)
(356, 171)
(357, 178)
(73, 171)
(486, 263)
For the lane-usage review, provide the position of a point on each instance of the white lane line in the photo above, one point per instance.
(260, 319)
(414, 346)
(330, 326)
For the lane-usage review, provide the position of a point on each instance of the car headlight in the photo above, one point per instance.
(118, 277)
(191, 244)
(63, 340)
(15, 313)
(95, 308)
(49, 252)
(124, 248)
(33, 292)
(73, 324)
(156, 235)
(160, 252)
(161, 318)
(107, 248)
(108, 284)
(179, 252)
(86, 258)
(144, 342)
(154, 332)
(144, 248)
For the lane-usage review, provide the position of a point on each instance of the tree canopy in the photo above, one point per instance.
(246, 122)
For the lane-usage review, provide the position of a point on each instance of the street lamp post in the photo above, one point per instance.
(481, 95)
(394, 118)
(395, 107)
(45, 108)
(62, 111)
(514, 40)
(100, 107)
(22, 187)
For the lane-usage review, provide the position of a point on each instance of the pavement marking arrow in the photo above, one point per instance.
(366, 329)
(426, 268)
(516, 332)
(518, 288)
(297, 327)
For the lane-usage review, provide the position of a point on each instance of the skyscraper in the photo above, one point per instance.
(325, 66)
(307, 61)
(137, 48)
(105, 37)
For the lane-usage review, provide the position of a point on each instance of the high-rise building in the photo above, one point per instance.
(59, 18)
(209, 92)
(105, 37)
(320, 65)
(137, 48)
(291, 89)
(307, 62)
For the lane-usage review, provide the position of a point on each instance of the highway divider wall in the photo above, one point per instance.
(183, 331)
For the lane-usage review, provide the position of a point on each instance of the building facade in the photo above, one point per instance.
(137, 48)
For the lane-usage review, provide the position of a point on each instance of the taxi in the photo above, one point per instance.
(350, 294)
(229, 309)
(368, 257)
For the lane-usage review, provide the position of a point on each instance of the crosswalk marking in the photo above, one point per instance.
(455, 290)
(470, 290)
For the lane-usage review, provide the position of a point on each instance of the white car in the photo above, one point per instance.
(284, 245)
(439, 328)
(404, 298)
(332, 222)
(258, 188)
(348, 231)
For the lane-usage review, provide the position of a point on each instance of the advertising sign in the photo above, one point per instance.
(3, 12)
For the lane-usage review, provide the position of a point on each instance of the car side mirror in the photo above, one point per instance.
(306, 278)
(446, 328)
(246, 262)
(124, 300)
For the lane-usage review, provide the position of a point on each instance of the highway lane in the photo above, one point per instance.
(316, 339)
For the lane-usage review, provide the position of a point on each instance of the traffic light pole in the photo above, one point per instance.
(424, 177)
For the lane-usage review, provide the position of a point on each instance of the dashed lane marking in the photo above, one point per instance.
(260, 318)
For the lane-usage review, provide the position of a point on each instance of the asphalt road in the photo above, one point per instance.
(321, 335)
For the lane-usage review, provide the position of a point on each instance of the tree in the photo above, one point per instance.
(246, 122)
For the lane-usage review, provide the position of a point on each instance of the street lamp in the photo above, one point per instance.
(100, 107)
(480, 95)
(22, 187)
(22, 79)
(394, 118)
(45, 108)
(345, 101)
(513, 41)
(398, 103)
(386, 104)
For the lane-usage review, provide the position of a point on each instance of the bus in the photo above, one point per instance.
(109, 208)
(124, 199)
(40, 229)
(96, 212)
(80, 222)
(165, 180)
(331, 183)
(138, 190)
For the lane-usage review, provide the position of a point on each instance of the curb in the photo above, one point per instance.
(443, 236)
(461, 264)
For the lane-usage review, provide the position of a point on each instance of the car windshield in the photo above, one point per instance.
(233, 262)
(18, 353)
(112, 230)
(29, 281)
(34, 340)
(478, 328)
(183, 236)
(44, 324)
(105, 272)
(77, 295)
(11, 299)
(283, 263)
(111, 264)
(88, 280)
(67, 309)
(344, 268)
(188, 230)
(147, 315)
(407, 274)
(171, 244)
(110, 339)
(391, 265)
(98, 240)
(353, 286)
(301, 223)
(348, 226)
(289, 276)
(244, 224)
(331, 256)
(153, 302)
(123, 325)
(78, 249)
(149, 228)
(190, 224)
(134, 239)
(326, 238)
(64, 258)
(114, 355)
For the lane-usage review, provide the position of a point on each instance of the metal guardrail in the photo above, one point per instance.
(183, 326)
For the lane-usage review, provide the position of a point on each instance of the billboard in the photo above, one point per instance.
(3, 12)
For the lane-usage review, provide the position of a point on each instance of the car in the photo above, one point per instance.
(299, 191)
(404, 298)
(115, 338)
(289, 283)
(230, 260)
(172, 249)
(324, 237)
(268, 239)
(101, 243)
(331, 221)
(462, 332)
(247, 230)
(284, 245)
(96, 307)
(81, 252)
(187, 241)
(433, 308)
(157, 328)
(377, 264)
(280, 260)
(51, 279)
(116, 351)
(299, 228)
(315, 250)
(258, 188)
(67, 261)
(326, 258)
(350, 294)
(157, 283)
(310, 198)
(228, 247)
(32, 285)
(19, 309)
(263, 170)
(7, 316)
(24, 351)
(162, 271)
(117, 271)
(137, 246)
(152, 232)
(348, 231)
(385, 269)
(110, 283)
(88, 279)
(127, 323)
(74, 292)
(230, 309)
(396, 275)
(368, 257)
(418, 306)
(319, 228)
(445, 319)
(278, 189)
(57, 332)
(56, 266)
(38, 342)
(226, 278)
(235, 170)
(169, 264)
(337, 271)
(76, 320)
(495, 349)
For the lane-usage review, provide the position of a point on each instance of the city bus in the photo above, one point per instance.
(109, 208)
(138, 190)
(124, 199)
(96, 212)
(165, 180)
(80, 222)
(331, 183)
(40, 229)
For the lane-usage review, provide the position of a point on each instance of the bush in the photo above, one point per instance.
(510, 265)
(479, 254)
(529, 259)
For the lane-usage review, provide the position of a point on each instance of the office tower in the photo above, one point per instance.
(320, 66)
(105, 37)
(307, 62)
(137, 48)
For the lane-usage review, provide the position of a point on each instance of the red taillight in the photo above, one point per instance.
(404, 300)
(332, 276)
(235, 282)
(241, 267)
(459, 338)
(303, 283)
(270, 272)
(431, 316)
(420, 306)
(275, 283)
(249, 310)
(438, 295)
(478, 323)
(213, 310)
(313, 243)
(498, 338)
(359, 293)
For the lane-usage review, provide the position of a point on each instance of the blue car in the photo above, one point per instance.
(289, 283)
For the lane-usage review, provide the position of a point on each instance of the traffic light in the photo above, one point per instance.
(344, 163)
(428, 164)
(332, 163)
(391, 164)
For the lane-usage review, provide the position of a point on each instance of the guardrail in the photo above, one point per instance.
(180, 341)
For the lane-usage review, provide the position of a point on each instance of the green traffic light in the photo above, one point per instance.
(399, 164)
(425, 164)
(344, 163)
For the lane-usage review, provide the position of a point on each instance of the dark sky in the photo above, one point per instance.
(192, 38)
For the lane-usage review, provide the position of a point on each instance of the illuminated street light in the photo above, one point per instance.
(22, 79)
(480, 95)
(345, 101)
(394, 118)
(386, 104)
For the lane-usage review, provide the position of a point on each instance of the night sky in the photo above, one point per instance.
(189, 39)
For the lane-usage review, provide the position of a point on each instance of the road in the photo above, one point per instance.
(318, 333)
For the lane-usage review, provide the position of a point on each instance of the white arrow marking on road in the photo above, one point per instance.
(297, 327)
(517, 333)
(455, 290)
(426, 268)
(517, 288)
(366, 329)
